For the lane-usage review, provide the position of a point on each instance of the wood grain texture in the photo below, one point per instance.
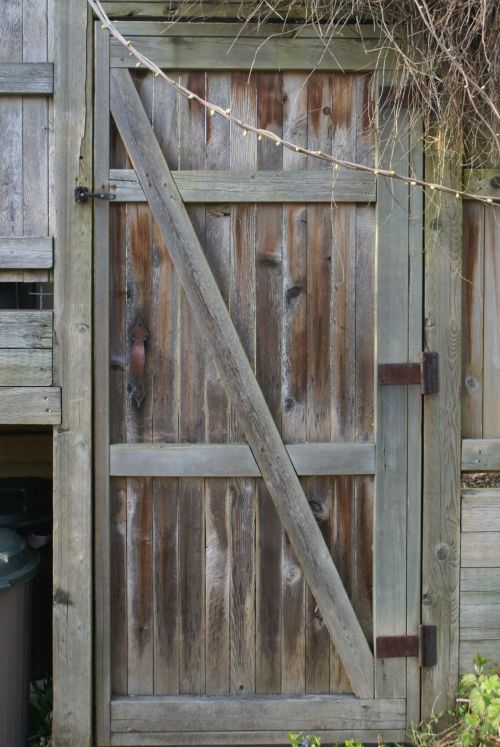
(391, 492)
(24, 405)
(473, 320)
(479, 579)
(480, 549)
(72, 230)
(35, 78)
(244, 714)
(480, 454)
(478, 181)
(257, 186)
(26, 329)
(230, 30)
(491, 334)
(157, 739)
(481, 511)
(441, 474)
(25, 367)
(216, 53)
(19, 253)
(132, 120)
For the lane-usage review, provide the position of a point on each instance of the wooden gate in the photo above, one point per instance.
(226, 269)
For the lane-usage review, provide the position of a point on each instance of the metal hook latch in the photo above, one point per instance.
(82, 194)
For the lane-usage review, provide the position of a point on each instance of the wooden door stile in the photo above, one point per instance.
(269, 264)
(319, 239)
(217, 496)
(192, 421)
(165, 347)
(220, 334)
(294, 374)
(243, 492)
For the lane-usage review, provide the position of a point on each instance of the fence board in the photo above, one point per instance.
(25, 253)
(35, 78)
(30, 405)
(26, 329)
(25, 367)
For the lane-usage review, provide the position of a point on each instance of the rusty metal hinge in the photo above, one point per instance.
(425, 373)
(423, 646)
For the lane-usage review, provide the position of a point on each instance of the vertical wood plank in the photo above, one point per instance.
(415, 346)
(243, 156)
(491, 377)
(166, 385)
(294, 373)
(192, 424)
(442, 437)
(473, 320)
(111, 510)
(35, 128)
(392, 293)
(218, 539)
(11, 127)
(319, 265)
(268, 324)
(72, 229)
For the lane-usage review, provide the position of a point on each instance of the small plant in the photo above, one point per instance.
(298, 739)
(41, 714)
(475, 720)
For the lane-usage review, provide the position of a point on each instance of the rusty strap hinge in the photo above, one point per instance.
(425, 373)
(423, 646)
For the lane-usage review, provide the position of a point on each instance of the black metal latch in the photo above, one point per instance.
(425, 373)
(82, 194)
(423, 646)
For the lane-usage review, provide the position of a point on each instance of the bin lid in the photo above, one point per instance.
(18, 563)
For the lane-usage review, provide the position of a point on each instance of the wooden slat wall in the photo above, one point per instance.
(232, 614)
(480, 545)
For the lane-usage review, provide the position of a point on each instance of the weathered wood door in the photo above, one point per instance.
(207, 631)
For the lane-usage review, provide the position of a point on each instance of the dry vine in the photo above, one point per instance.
(447, 69)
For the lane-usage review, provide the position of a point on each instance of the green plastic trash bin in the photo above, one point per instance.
(18, 565)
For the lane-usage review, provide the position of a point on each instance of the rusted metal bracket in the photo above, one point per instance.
(423, 646)
(425, 373)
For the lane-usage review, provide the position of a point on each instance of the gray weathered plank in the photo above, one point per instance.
(441, 438)
(131, 29)
(30, 405)
(480, 579)
(247, 53)
(71, 164)
(240, 382)
(480, 454)
(25, 253)
(254, 713)
(480, 550)
(25, 367)
(26, 329)
(232, 460)
(481, 510)
(110, 600)
(231, 738)
(26, 78)
(392, 345)
(259, 186)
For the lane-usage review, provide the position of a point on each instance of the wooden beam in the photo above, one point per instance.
(249, 53)
(257, 738)
(481, 454)
(240, 382)
(25, 367)
(71, 157)
(25, 253)
(285, 713)
(132, 29)
(26, 78)
(198, 9)
(30, 405)
(442, 428)
(235, 460)
(264, 186)
(26, 329)
(481, 510)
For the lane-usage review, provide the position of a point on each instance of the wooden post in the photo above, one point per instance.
(72, 165)
(441, 475)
